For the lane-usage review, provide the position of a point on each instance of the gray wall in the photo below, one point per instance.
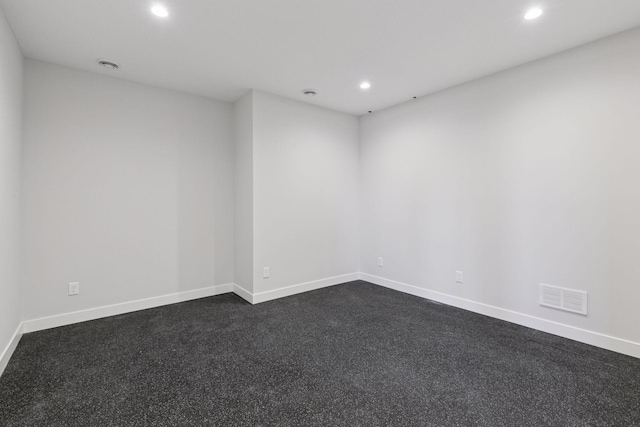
(527, 176)
(305, 181)
(11, 64)
(243, 119)
(128, 189)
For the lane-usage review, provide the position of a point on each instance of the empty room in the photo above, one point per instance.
(319, 213)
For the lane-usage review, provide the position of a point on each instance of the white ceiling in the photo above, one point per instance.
(222, 48)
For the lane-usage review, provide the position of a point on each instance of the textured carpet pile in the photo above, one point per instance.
(348, 355)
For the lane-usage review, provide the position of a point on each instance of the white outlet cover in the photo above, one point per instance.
(459, 277)
(74, 288)
(380, 262)
(265, 273)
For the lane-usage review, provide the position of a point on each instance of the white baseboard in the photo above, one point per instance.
(286, 291)
(125, 307)
(243, 293)
(10, 348)
(607, 342)
(593, 338)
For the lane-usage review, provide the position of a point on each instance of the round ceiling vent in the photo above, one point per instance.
(310, 92)
(108, 64)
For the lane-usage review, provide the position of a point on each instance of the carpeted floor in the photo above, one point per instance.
(348, 355)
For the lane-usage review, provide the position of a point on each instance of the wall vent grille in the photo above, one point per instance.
(563, 299)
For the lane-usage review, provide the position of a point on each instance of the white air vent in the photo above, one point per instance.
(563, 299)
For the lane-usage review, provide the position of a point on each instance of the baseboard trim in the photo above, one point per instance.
(243, 293)
(143, 304)
(619, 345)
(302, 287)
(122, 308)
(607, 342)
(10, 348)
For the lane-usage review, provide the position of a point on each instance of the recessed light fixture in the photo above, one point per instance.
(160, 11)
(365, 85)
(310, 92)
(533, 13)
(108, 64)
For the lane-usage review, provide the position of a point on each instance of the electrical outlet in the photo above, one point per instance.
(265, 273)
(74, 288)
(380, 262)
(459, 277)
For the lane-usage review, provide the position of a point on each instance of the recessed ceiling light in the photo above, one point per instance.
(108, 64)
(365, 85)
(310, 92)
(160, 11)
(533, 13)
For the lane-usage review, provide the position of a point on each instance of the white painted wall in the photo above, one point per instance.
(523, 177)
(128, 189)
(528, 176)
(305, 199)
(243, 122)
(11, 64)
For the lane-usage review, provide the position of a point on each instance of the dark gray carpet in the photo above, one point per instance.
(353, 354)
